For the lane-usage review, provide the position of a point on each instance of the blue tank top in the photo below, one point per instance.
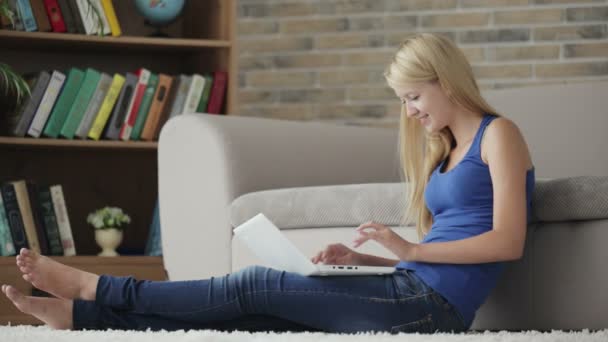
(461, 202)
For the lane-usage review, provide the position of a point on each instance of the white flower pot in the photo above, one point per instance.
(108, 240)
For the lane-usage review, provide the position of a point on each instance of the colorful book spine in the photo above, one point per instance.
(32, 195)
(180, 97)
(55, 16)
(47, 213)
(218, 91)
(66, 99)
(76, 16)
(25, 208)
(85, 93)
(68, 16)
(103, 86)
(158, 107)
(27, 16)
(46, 104)
(87, 14)
(101, 18)
(108, 8)
(42, 20)
(146, 102)
(202, 105)
(63, 220)
(194, 93)
(106, 107)
(13, 214)
(140, 89)
(119, 112)
(7, 247)
(38, 86)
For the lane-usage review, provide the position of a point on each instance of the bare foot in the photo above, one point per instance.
(56, 313)
(57, 279)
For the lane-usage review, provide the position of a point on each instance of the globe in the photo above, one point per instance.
(159, 13)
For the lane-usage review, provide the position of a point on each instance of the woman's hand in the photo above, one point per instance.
(338, 254)
(385, 236)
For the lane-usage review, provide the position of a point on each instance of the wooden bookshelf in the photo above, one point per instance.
(124, 174)
(150, 268)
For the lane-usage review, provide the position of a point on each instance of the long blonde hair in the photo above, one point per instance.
(421, 58)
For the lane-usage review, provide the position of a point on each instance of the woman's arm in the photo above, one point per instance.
(373, 260)
(508, 161)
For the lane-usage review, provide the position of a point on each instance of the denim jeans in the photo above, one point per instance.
(263, 299)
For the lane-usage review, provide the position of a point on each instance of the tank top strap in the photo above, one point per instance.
(476, 148)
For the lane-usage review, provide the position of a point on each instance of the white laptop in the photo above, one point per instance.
(270, 245)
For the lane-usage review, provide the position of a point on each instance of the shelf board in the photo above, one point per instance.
(141, 260)
(104, 144)
(72, 41)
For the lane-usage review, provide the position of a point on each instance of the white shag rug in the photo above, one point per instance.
(24, 333)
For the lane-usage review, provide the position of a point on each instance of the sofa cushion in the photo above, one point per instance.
(560, 199)
(570, 199)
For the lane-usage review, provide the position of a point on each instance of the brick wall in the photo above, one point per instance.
(323, 59)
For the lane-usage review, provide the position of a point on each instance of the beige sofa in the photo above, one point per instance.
(317, 181)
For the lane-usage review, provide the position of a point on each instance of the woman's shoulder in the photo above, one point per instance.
(501, 132)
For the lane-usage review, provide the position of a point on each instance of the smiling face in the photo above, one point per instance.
(427, 104)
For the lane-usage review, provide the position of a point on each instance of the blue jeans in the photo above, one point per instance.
(263, 299)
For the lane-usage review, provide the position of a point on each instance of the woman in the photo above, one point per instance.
(470, 181)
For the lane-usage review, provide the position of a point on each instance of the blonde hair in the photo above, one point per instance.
(422, 58)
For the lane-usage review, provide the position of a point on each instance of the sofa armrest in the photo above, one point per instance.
(207, 161)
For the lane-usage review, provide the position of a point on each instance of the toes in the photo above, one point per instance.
(13, 294)
(27, 277)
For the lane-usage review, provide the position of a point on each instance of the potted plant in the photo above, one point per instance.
(13, 90)
(109, 223)
(6, 12)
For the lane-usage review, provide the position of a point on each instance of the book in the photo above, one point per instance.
(119, 112)
(13, 214)
(25, 208)
(218, 91)
(108, 8)
(202, 105)
(87, 15)
(103, 86)
(63, 220)
(68, 16)
(7, 248)
(106, 107)
(46, 104)
(55, 16)
(42, 20)
(47, 213)
(144, 108)
(27, 16)
(177, 107)
(101, 19)
(194, 93)
(142, 82)
(78, 109)
(64, 102)
(32, 195)
(153, 245)
(74, 10)
(38, 83)
(158, 107)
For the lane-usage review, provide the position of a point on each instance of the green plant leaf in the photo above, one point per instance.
(11, 81)
(5, 11)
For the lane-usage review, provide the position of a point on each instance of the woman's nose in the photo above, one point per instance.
(411, 110)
